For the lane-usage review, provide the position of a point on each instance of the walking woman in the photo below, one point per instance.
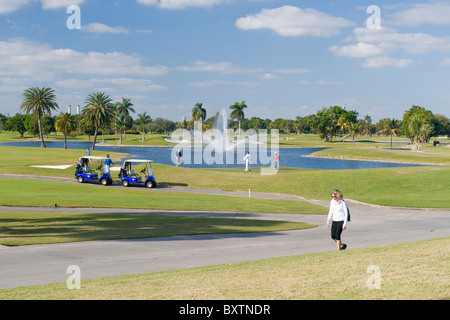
(337, 215)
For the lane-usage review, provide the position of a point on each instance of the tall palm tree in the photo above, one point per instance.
(198, 112)
(120, 124)
(97, 111)
(367, 122)
(143, 120)
(354, 128)
(39, 101)
(238, 113)
(124, 108)
(65, 123)
(390, 127)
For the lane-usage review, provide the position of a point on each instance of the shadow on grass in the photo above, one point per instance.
(39, 228)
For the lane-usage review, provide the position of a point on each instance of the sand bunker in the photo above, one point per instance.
(62, 167)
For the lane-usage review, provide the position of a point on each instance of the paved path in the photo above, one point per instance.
(371, 225)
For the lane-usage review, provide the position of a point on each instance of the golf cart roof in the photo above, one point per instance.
(138, 161)
(93, 158)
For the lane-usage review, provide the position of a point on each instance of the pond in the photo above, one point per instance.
(289, 157)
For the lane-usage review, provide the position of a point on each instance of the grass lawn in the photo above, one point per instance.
(402, 187)
(425, 186)
(408, 271)
(18, 192)
(29, 228)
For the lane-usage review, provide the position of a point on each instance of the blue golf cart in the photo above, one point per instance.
(128, 173)
(84, 171)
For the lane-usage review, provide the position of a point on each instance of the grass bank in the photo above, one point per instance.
(434, 156)
(408, 271)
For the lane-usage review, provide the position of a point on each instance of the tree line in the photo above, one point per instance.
(100, 115)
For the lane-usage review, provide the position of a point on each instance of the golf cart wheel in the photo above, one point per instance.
(104, 182)
(80, 179)
(150, 184)
(125, 183)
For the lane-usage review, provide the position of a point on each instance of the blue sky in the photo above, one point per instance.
(283, 58)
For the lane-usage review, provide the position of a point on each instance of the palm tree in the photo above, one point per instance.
(124, 108)
(342, 123)
(367, 122)
(120, 124)
(39, 101)
(238, 113)
(97, 111)
(198, 112)
(418, 127)
(354, 130)
(390, 127)
(65, 123)
(144, 119)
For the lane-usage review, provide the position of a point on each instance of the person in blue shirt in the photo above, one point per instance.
(108, 163)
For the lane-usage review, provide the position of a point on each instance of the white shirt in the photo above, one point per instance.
(338, 211)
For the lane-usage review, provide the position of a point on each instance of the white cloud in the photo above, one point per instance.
(222, 67)
(56, 4)
(101, 28)
(291, 71)
(418, 14)
(359, 50)
(269, 76)
(293, 21)
(379, 44)
(212, 83)
(445, 62)
(35, 60)
(320, 83)
(390, 40)
(7, 6)
(128, 84)
(380, 62)
(276, 73)
(181, 4)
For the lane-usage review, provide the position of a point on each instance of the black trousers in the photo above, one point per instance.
(336, 230)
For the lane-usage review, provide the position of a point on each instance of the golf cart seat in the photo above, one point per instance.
(87, 169)
(131, 173)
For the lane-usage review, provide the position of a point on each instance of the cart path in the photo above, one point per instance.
(370, 226)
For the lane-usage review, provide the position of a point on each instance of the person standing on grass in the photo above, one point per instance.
(276, 160)
(108, 163)
(247, 160)
(337, 215)
(178, 155)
